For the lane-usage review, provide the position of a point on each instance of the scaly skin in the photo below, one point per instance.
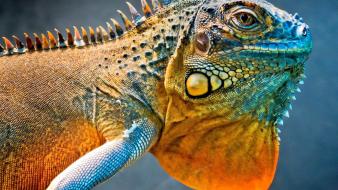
(200, 84)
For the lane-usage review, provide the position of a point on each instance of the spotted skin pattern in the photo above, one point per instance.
(203, 85)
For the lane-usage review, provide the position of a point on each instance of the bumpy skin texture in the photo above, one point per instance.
(200, 84)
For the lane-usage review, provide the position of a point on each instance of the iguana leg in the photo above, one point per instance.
(105, 161)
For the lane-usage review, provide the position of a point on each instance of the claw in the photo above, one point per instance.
(127, 23)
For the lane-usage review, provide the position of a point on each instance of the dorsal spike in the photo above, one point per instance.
(2, 50)
(61, 39)
(104, 33)
(85, 35)
(78, 38)
(99, 37)
(38, 43)
(52, 41)
(156, 5)
(92, 35)
(70, 39)
(29, 42)
(134, 13)
(77, 35)
(8, 46)
(127, 23)
(118, 28)
(111, 31)
(19, 45)
(45, 43)
(146, 8)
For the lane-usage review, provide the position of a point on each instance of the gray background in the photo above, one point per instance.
(309, 149)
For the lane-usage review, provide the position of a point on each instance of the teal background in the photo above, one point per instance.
(309, 147)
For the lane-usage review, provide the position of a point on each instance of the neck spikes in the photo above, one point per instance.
(19, 45)
(9, 46)
(83, 38)
(146, 8)
(78, 38)
(29, 42)
(52, 40)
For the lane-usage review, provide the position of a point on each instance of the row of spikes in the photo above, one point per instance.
(78, 40)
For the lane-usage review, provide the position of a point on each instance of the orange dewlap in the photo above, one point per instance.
(241, 155)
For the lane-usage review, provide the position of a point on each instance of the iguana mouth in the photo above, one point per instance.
(289, 48)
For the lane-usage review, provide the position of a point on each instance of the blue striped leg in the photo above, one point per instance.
(105, 161)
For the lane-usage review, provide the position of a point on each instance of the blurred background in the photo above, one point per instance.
(309, 147)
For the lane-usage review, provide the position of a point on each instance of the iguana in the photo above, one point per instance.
(201, 84)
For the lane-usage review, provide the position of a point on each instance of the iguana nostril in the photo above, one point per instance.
(305, 31)
(302, 30)
(202, 42)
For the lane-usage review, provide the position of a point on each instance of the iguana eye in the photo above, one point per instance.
(244, 19)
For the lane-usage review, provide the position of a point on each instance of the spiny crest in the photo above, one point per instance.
(81, 39)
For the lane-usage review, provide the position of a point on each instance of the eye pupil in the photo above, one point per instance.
(244, 18)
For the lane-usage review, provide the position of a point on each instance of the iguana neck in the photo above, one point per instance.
(137, 62)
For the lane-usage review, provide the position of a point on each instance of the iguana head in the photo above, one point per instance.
(230, 82)
(245, 55)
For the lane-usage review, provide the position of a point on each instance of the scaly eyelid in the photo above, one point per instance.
(240, 9)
